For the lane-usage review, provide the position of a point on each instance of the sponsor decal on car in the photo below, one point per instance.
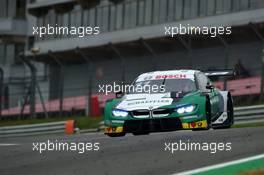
(185, 74)
(149, 102)
(114, 129)
(171, 76)
(193, 125)
(131, 102)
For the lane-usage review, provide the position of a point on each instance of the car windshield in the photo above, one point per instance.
(163, 86)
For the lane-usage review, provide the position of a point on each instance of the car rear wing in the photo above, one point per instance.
(220, 73)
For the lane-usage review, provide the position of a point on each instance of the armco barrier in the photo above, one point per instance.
(249, 114)
(243, 115)
(35, 129)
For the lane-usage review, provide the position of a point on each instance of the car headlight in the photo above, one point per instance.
(185, 109)
(119, 113)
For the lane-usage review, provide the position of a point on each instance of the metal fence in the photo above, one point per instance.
(17, 105)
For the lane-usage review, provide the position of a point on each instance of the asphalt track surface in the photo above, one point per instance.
(127, 155)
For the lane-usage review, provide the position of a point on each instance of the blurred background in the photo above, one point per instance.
(58, 75)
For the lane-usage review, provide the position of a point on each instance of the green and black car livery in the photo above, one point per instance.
(188, 100)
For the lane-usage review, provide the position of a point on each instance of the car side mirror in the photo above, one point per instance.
(176, 94)
(119, 94)
(209, 87)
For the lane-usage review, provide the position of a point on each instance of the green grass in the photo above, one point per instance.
(82, 122)
(253, 172)
(237, 168)
(248, 125)
(88, 122)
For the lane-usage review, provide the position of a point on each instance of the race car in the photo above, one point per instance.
(183, 99)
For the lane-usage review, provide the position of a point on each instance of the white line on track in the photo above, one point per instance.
(9, 144)
(221, 165)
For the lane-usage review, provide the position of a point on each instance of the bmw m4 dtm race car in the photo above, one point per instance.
(188, 101)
